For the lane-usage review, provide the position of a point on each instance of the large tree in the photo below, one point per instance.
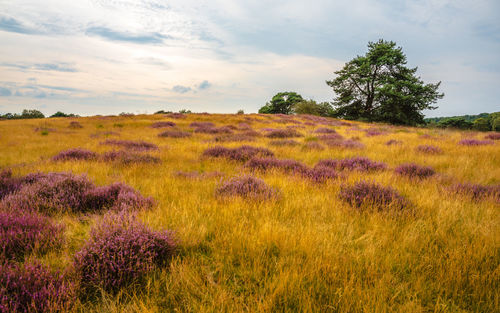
(380, 87)
(282, 103)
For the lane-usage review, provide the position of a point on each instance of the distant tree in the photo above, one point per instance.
(379, 87)
(313, 108)
(281, 103)
(184, 111)
(61, 114)
(481, 124)
(163, 112)
(240, 112)
(31, 114)
(455, 122)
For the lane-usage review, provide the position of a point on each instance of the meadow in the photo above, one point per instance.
(247, 213)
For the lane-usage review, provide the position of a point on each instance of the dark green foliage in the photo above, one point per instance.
(379, 87)
(282, 103)
(26, 114)
(481, 124)
(61, 114)
(163, 112)
(312, 108)
(455, 122)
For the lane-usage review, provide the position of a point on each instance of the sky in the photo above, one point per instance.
(105, 57)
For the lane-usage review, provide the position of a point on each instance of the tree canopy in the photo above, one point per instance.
(380, 87)
(282, 103)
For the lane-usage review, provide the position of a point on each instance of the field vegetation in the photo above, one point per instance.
(246, 213)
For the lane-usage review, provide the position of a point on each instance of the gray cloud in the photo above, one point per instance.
(12, 25)
(5, 92)
(58, 67)
(204, 85)
(181, 89)
(113, 35)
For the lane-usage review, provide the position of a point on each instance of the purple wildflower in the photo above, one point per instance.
(428, 149)
(129, 157)
(283, 133)
(163, 124)
(366, 194)
(414, 171)
(246, 186)
(241, 154)
(174, 134)
(353, 164)
(75, 154)
(475, 142)
(132, 145)
(493, 136)
(477, 191)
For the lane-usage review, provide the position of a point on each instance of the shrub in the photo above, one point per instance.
(132, 145)
(477, 191)
(128, 157)
(246, 186)
(23, 233)
(174, 134)
(366, 194)
(393, 142)
(325, 130)
(493, 136)
(32, 287)
(283, 142)
(428, 149)
(283, 133)
(63, 192)
(267, 163)
(414, 171)
(75, 154)
(163, 124)
(214, 130)
(321, 174)
(75, 125)
(474, 142)
(120, 252)
(8, 184)
(241, 154)
(353, 164)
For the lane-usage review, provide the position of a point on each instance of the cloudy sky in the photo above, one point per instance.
(110, 56)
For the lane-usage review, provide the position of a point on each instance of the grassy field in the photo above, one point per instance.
(305, 250)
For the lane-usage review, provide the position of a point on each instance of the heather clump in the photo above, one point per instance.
(370, 132)
(202, 125)
(362, 164)
(493, 136)
(120, 252)
(131, 144)
(475, 142)
(321, 174)
(283, 143)
(429, 149)
(325, 130)
(176, 115)
(129, 157)
(235, 137)
(74, 125)
(246, 187)
(241, 154)
(174, 134)
(22, 233)
(33, 287)
(75, 154)
(347, 144)
(8, 184)
(283, 133)
(213, 130)
(477, 191)
(162, 124)
(412, 170)
(370, 195)
(268, 163)
(64, 192)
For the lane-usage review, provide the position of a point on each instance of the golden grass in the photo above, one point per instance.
(308, 251)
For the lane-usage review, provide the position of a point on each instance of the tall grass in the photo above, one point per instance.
(308, 251)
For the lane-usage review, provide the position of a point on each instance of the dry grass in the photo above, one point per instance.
(306, 252)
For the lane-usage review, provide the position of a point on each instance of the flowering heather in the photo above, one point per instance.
(23, 233)
(283, 133)
(116, 196)
(75, 125)
(247, 187)
(493, 136)
(312, 145)
(331, 137)
(121, 251)
(353, 164)
(202, 124)
(320, 174)
(474, 142)
(268, 163)
(393, 142)
(64, 192)
(75, 154)
(244, 126)
(372, 195)
(476, 191)
(348, 143)
(414, 171)
(8, 184)
(163, 124)
(429, 149)
(370, 132)
(241, 154)
(130, 144)
(283, 142)
(214, 130)
(129, 157)
(174, 134)
(325, 130)
(33, 287)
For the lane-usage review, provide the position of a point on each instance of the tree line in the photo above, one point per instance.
(29, 114)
